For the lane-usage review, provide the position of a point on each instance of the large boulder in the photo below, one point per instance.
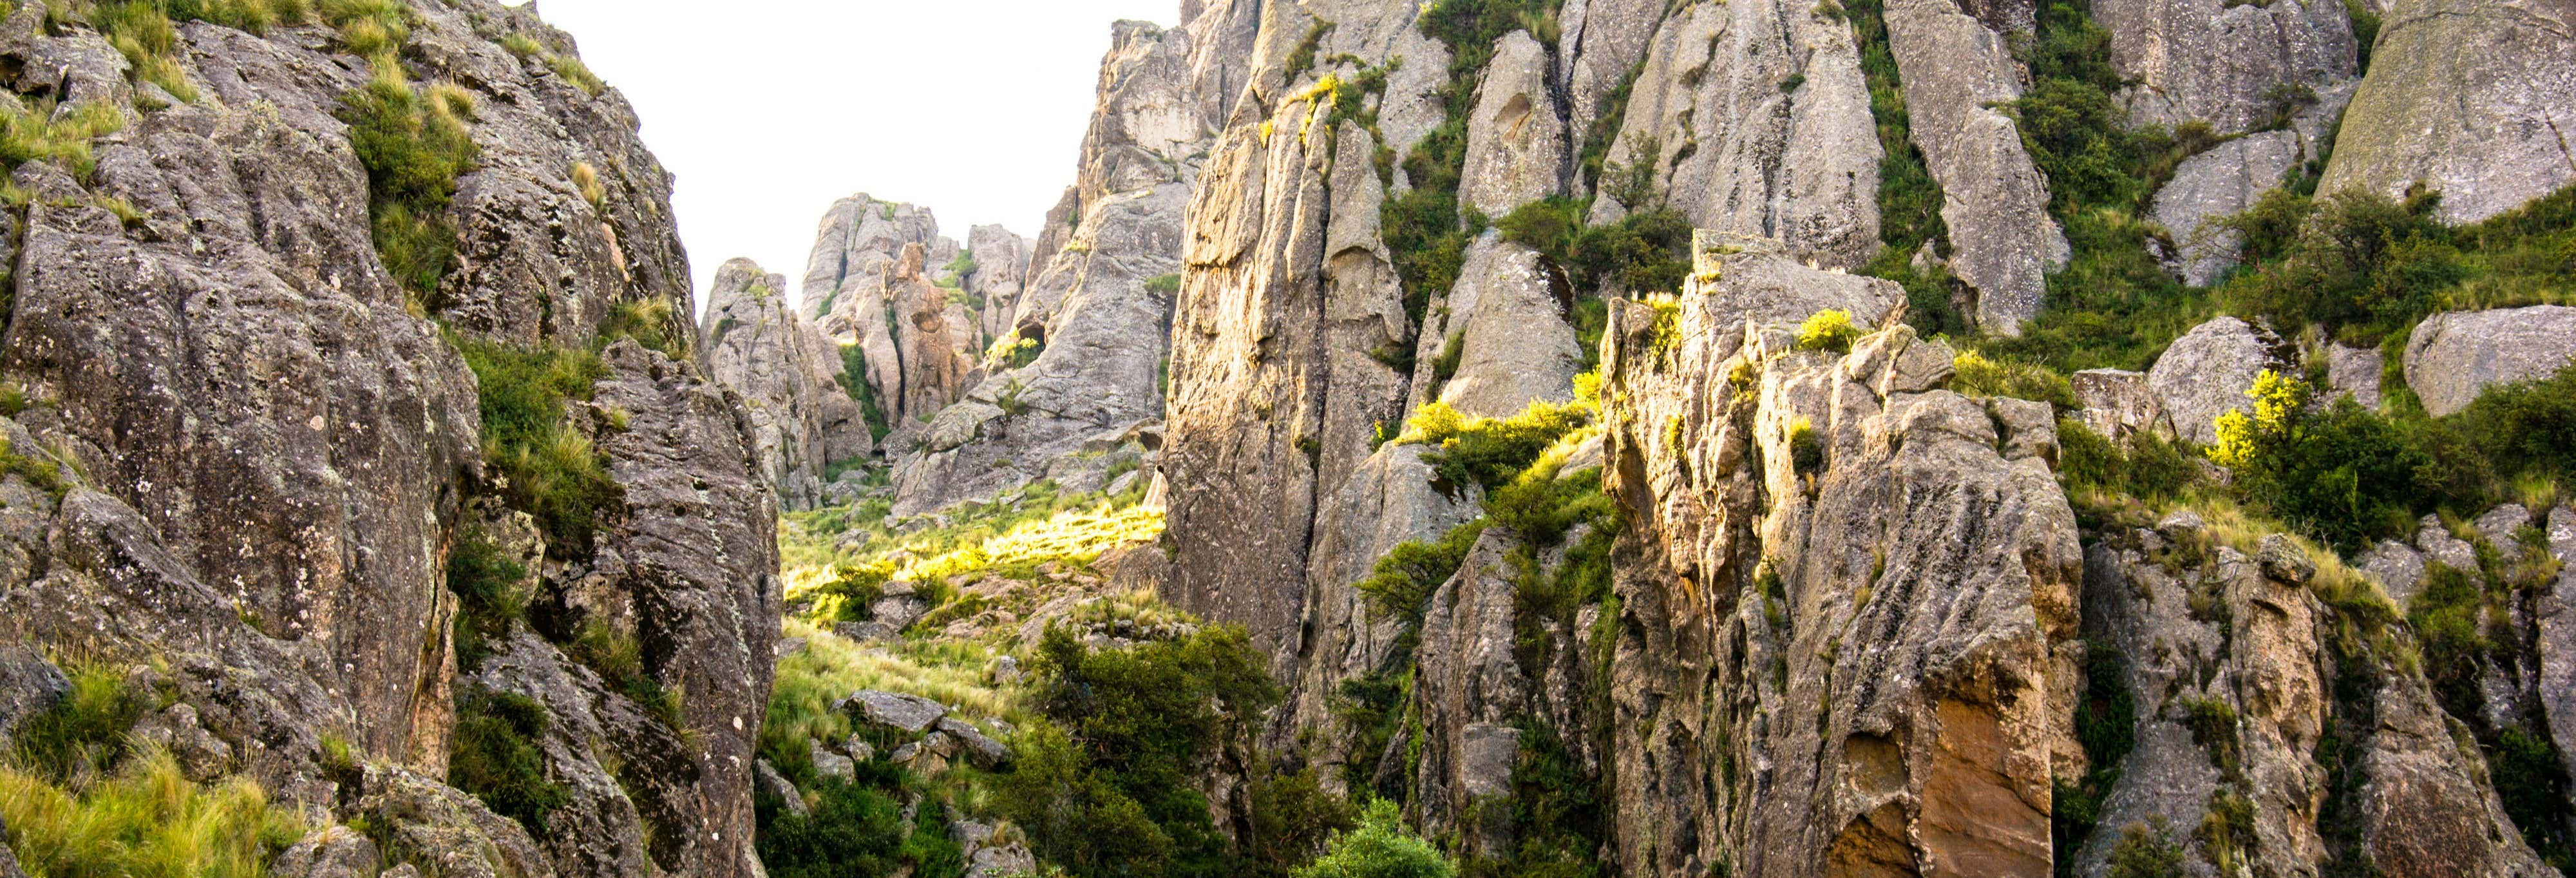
(1758, 120)
(1516, 141)
(2217, 183)
(911, 714)
(1738, 280)
(2208, 371)
(2454, 356)
(1958, 69)
(1501, 334)
(2118, 403)
(2470, 98)
(2224, 64)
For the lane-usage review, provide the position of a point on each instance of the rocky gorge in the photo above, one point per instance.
(1485, 437)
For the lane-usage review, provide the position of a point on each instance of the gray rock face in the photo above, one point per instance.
(1739, 282)
(1863, 727)
(1275, 396)
(2208, 371)
(1001, 271)
(981, 751)
(2223, 181)
(2354, 372)
(271, 449)
(1955, 68)
(1388, 501)
(29, 685)
(1501, 332)
(2470, 98)
(1516, 142)
(854, 242)
(1729, 141)
(2206, 61)
(2454, 356)
(2118, 403)
(2556, 645)
(2398, 568)
(784, 369)
(1603, 41)
(911, 714)
(1471, 687)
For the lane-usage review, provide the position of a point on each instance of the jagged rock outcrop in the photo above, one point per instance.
(787, 374)
(2201, 632)
(1001, 271)
(2469, 98)
(1275, 396)
(1754, 118)
(1516, 144)
(855, 241)
(251, 450)
(1957, 65)
(1499, 340)
(934, 343)
(2207, 371)
(1847, 607)
(1390, 500)
(1098, 300)
(2454, 356)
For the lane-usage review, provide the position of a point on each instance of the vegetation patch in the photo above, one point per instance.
(145, 820)
(496, 758)
(547, 467)
(414, 145)
(1380, 847)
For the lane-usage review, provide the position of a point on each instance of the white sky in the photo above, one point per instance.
(769, 110)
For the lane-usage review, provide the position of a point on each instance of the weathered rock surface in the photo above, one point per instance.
(2118, 403)
(2454, 356)
(2355, 372)
(1001, 271)
(1745, 280)
(1782, 702)
(1956, 67)
(1516, 144)
(1501, 333)
(270, 448)
(1752, 118)
(786, 372)
(911, 714)
(2207, 372)
(2469, 98)
(857, 237)
(2220, 182)
(2207, 61)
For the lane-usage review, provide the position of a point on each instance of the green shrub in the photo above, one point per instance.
(33, 131)
(1163, 284)
(495, 757)
(41, 472)
(619, 659)
(2449, 619)
(83, 734)
(547, 468)
(854, 827)
(1382, 847)
(1974, 374)
(2532, 781)
(2146, 853)
(492, 591)
(1647, 251)
(413, 148)
(2338, 473)
(2213, 727)
(1806, 451)
(1909, 200)
(2526, 428)
(1489, 451)
(1401, 583)
(1104, 785)
(1829, 330)
(654, 323)
(576, 74)
(854, 381)
(145, 821)
(1292, 817)
(2147, 466)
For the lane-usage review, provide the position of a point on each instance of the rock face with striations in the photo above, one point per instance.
(265, 455)
(788, 375)
(2470, 98)
(1957, 66)
(1753, 118)
(1854, 660)
(1499, 340)
(855, 242)
(1516, 149)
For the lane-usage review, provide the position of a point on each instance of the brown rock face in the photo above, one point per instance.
(1847, 577)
